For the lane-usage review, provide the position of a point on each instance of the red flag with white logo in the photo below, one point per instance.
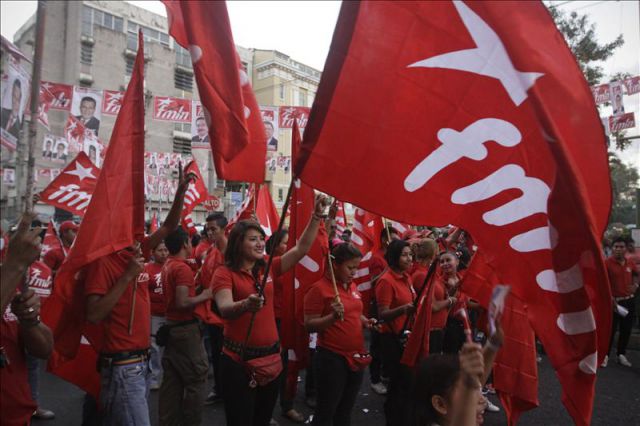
(341, 218)
(365, 235)
(177, 110)
(246, 210)
(113, 221)
(45, 99)
(153, 227)
(50, 240)
(266, 211)
(469, 124)
(236, 131)
(73, 188)
(197, 192)
(75, 133)
(188, 225)
(62, 95)
(112, 102)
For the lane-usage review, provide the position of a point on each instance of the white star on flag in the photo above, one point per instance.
(489, 58)
(81, 172)
(164, 102)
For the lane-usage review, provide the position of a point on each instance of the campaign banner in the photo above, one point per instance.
(616, 97)
(270, 118)
(199, 127)
(111, 102)
(62, 95)
(16, 84)
(86, 106)
(55, 148)
(632, 84)
(9, 177)
(94, 148)
(622, 122)
(601, 93)
(44, 104)
(289, 113)
(177, 110)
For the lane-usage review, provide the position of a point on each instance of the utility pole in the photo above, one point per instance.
(36, 76)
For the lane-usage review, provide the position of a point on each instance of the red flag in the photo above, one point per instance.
(197, 192)
(113, 221)
(499, 155)
(266, 211)
(73, 188)
(515, 370)
(75, 133)
(246, 210)
(366, 237)
(153, 227)
(235, 124)
(341, 218)
(417, 347)
(187, 224)
(46, 98)
(51, 240)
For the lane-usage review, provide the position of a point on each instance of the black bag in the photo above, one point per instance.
(162, 335)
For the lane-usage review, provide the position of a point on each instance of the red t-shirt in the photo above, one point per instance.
(54, 258)
(15, 398)
(342, 337)
(213, 261)
(40, 280)
(101, 277)
(200, 252)
(378, 264)
(439, 319)
(156, 293)
(177, 272)
(394, 290)
(242, 285)
(418, 275)
(620, 276)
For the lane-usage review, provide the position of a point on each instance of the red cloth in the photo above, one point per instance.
(278, 292)
(620, 276)
(54, 258)
(153, 227)
(102, 275)
(197, 192)
(266, 211)
(342, 337)
(236, 130)
(242, 285)
(50, 241)
(512, 181)
(417, 347)
(156, 292)
(201, 250)
(378, 264)
(40, 279)
(15, 397)
(418, 273)
(213, 261)
(365, 237)
(177, 273)
(393, 290)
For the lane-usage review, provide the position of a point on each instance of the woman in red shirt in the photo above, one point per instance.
(395, 295)
(450, 280)
(237, 295)
(339, 360)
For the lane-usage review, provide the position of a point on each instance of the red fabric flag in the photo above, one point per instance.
(515, 370)
(81, 371)
(365, 236)
(113, 221)
(188, 225)
(417, 347)
(73, 188)
(266, 211)
(51, 240)
(246, 210)
(341, 219)
(235, 124)
(197, 192)
(46, 98)
(499, 154)
(153, 227)
(75, 133)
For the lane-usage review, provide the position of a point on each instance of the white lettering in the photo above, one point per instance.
(70, 192)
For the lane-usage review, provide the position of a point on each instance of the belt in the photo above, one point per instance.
(251, 352)
(107, 360)
(181, 323)
(619, 299)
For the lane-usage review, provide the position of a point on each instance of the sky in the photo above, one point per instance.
(303, 30)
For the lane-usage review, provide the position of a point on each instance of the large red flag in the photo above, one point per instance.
(113, 221)
(417, 347)
(197, 192)
(266, 211)
(236, 130)
(479, 124)
(73, 188)
(51, 240)
(365, 236)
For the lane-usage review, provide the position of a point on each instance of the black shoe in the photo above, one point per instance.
(311, 402)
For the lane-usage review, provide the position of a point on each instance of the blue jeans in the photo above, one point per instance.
(123, 394)
(155, 352)
(33, 365)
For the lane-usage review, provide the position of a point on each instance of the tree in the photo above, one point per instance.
(624, 183)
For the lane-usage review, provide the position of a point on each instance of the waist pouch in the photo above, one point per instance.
(358, 361)
(162, 335)
(263, 364)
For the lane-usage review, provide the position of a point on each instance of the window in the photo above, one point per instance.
(86, 53)
(282, 91)
(129, 62)
(183, 58)
(148, 34)
(302, 98)
(91, 17)
(182, 146)
(280, 194)
(182, 127)
(183, 80)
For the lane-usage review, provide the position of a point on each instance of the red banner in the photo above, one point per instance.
(622, 121)
(111, 102)
(601, 93)
(632, 84)
(62, 95)
(288, 114)
(166, 108)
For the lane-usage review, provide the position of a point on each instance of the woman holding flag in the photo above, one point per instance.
(333, 309)
(250, 362)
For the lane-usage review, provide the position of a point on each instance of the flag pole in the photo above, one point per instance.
(386, 227)
(333, 281)
(133, 307)
(426, 284)
(35, 101)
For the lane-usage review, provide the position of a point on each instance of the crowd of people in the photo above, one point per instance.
(233, 281)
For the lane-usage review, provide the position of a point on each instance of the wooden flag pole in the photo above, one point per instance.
(333, 281)
(133, 307)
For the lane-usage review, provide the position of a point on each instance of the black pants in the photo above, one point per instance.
(625, 324)
(243, 405)
(337, 387)
(453, 336)
(398, 390)
(216, 339)
(436, 339)
(375, 368)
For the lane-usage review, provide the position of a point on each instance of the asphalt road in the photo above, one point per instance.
(617, 401)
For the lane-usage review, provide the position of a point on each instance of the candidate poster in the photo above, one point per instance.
(86, 106)
(270, 119)
(16, 83)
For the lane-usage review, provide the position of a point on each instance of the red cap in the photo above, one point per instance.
(65, 226)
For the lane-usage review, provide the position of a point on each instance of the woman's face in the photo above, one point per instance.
(253, 245)
(454, 400)
(282, 247)
(406, 258)
(448, 263)
(346, 270)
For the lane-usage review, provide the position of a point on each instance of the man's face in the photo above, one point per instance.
(268, 128)
(60, 149)
(214, 232)
(619, 249)
(16, 95)
(87, 108)
(68, 237)
(201, 128)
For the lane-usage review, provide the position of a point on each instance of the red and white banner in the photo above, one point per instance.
(632, 84)
(86, 106)
(616, 97)
(601, 93)
(73, 188)
(167, 108)
(290, 113)
(212, 204)
(196, 192)
(75, 132)
(111, 102)
(62, 95)
(199, 128)
(622, 122)
(270, 119)
(16, 87)
(45, 99)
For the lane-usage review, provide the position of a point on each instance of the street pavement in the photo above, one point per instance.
(617, 401)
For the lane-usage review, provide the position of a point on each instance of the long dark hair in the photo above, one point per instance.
(394, 250)
(437, 375)
(233, 252)
(344, 252)
(274, 240)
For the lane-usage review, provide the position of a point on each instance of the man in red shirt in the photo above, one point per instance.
(623, 276)
(54, 257)
(154, 270)
(184, 362)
